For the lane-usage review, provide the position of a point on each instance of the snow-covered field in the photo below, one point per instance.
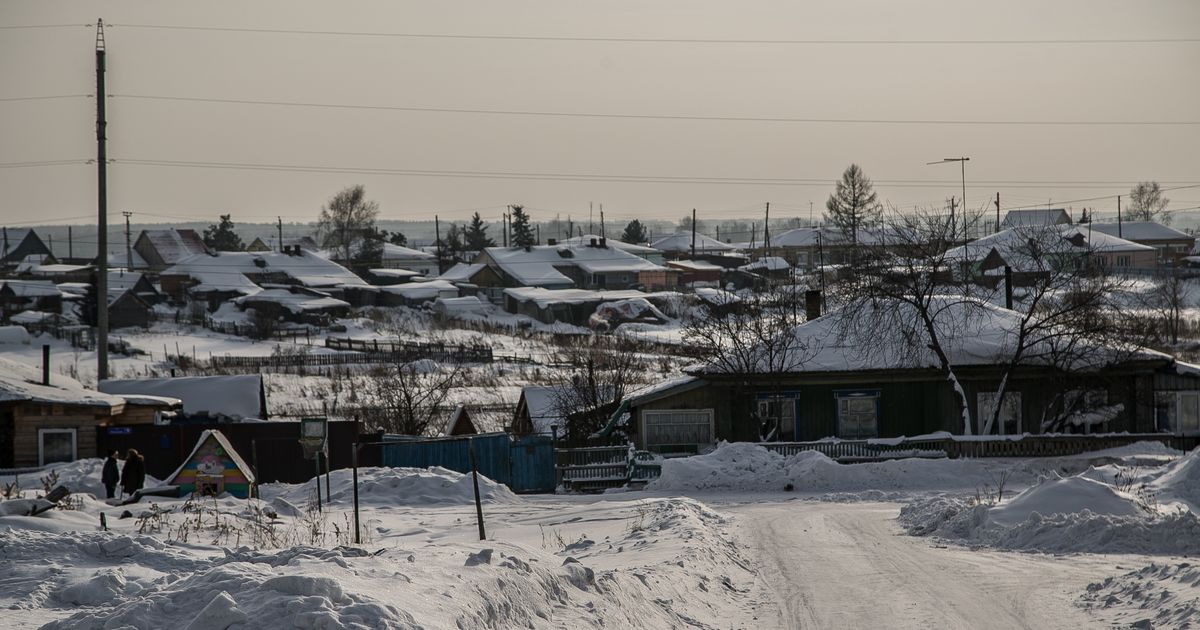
(1098, 540)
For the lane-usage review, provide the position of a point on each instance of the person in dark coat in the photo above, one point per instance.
(109, 477)
(133, 475)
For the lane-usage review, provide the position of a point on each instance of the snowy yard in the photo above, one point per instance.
(1085, 541)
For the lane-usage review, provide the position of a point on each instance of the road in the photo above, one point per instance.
(849, 565)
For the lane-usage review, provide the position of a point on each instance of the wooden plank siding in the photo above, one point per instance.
(28, 418)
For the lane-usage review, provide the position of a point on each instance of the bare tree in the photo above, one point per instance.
(605, 372)
(1147, 203)
(1164, 302)
(347, 222)
(407, 396)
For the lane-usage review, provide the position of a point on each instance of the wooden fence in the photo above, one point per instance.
(411, 350)
(596, 468)
(849, 451)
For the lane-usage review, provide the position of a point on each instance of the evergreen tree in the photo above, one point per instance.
(635, 232)
(476, 235)
(853, 205)
(221, 237)
(454, 246)
(395, 238)
(522, 231)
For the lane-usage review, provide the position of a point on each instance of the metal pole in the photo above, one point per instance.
(475, 485)
(102, 213)
(317, 479)
(354, 466)
(328, 492)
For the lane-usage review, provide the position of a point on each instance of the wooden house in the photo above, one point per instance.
(29, 295)
(18, 243)
(1170, 244)
(126, 309)
(47, 418)
(213, 468)
(460, 423)
(163, 248)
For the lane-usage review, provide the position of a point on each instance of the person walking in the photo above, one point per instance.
(109, 477)
(133, 475)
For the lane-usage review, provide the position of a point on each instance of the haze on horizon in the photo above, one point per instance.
(1057, 79)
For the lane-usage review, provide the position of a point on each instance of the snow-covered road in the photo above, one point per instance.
(849, 565)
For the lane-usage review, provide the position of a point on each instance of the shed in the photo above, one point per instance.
(213, 467)
(460, 423)
(234, 397)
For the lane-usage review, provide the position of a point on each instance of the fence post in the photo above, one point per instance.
(475, 485)
(354, 467)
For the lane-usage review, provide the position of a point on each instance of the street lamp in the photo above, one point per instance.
(963, 163)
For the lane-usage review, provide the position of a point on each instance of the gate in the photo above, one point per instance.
(524, 465)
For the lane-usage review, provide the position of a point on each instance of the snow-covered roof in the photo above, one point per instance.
(1141, 231)
(767, 263)
(399, 252)
(545, 297)
(225, 445)
(31, 262)
(682, 242)
(536, 266)
(151, 401)
(74, 288)
(1035, 217)
(1014, 244)
(466, 304)
(175, 245)
(32, 317)
(422, 290)
(294, 301)
(972, 333)
(540, 401)
(237, 396)
(32, 288)
(123, 280)
(56, 269)
(716, 296)
(653, 392)
(121, 259)
(694, 265)
(23, 383)
(226, 271)
(462, 272)
(632, 248)
(394, 273)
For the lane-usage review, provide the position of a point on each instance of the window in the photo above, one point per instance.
(1177, 412)
(1088, 409)
(677, 430)
(779, 412)
(56, 445)
(857, 414)
(1124, 261)
(1009, 422)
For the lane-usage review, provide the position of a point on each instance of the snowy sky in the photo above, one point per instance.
(1142, 82)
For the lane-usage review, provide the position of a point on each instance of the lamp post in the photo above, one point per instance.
(962, 161)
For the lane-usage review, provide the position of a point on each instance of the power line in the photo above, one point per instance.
(672, 40)
(13, 99)
(44, 163)
(771, 181)
(14, 27)
(562, 114)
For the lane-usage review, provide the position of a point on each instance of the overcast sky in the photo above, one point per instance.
(1028, 165)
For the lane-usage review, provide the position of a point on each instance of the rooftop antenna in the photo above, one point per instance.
(102, 212)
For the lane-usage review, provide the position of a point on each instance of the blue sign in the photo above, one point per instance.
(120, 430)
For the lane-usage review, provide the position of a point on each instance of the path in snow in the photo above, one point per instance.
(844, 565)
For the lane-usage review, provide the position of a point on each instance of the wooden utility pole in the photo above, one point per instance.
(128, 242)
(997, 212)
(767, 230)
(504, 220)
(602, 233)
(279, 224)
(693, 233)
(70, 243)
(1119, 233)
(437, 240)
(101, 212)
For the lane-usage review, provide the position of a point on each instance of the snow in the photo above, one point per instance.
(418, 291)
(1141, 231)
(767, 263)
(21, 382)
(1060, 496)
(228, 271)
(545, 297)
(632, 248)
(31, 288)
(462, 272)
(236, 396)
(294, 301)
(539, 265)
(14, 335)
(682, 242)
(174, 245)
(399, 487)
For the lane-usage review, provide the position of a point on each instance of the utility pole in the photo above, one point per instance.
(767, 230)
(70, 243)
(962, 161)
(693, 233)
(102, 212)
(279, 224)
(504, 220)
(128, 243)
(997, 212)
(953, 227)
(1119, 233)
(437, 236)
(538, 227)
(602, 222)
(591, 230)
(51, 237)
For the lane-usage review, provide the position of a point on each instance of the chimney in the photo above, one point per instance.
(603, 241)
(46, 364)
(812, 304)
(551, 242)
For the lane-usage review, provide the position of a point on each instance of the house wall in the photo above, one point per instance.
(127, 311)
(29, 417)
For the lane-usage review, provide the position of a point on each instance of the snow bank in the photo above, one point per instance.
(381, 487)
(1075, 514)
(749, 467)
(80, 477)
(242, 594)
(1156, 596)
(1181, 481)
(14, 335)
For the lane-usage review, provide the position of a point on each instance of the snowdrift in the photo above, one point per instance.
(80, 477)
(747, 467)
(382, 487)
(1072, 514)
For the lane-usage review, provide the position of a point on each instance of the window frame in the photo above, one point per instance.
(792, 396)
(856, 394)
(1011, 399)
(646, 420)
(41, 443)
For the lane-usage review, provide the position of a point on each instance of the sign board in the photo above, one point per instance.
(120, 430)
(314, 436)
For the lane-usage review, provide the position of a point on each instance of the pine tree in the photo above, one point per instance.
(522, 231)
(853, 204)
(476, 235)
(221, 237)
(635, 232)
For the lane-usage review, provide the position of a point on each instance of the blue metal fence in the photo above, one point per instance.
(525, 465)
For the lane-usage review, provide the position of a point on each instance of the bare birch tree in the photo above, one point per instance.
(407, 397)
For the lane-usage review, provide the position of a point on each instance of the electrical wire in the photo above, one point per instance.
(682, 117)
(14, 99)
(671, 40)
